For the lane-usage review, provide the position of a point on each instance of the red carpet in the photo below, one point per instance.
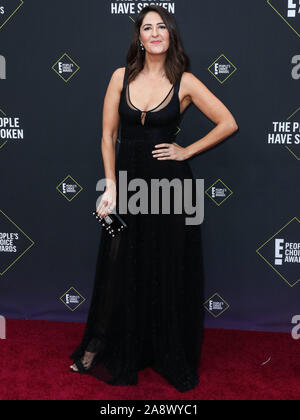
(35, 366)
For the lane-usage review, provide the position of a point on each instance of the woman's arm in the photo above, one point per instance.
(193, 90)
(110, 124)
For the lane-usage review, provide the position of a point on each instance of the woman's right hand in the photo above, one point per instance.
(108, 202)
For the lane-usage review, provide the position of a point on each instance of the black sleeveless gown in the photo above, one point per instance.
(147, 302)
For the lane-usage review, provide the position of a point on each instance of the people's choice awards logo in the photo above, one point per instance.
(216, 305)
(69, 188)
(222, 68)
(65, 67)
(72, 298)
(7, 10)
(218, 192)
(282, 252)
(286, 251)
(14, 243)
(289, 11)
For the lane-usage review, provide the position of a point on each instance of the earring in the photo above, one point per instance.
(142, 47)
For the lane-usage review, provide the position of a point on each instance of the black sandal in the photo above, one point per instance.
(81, 368)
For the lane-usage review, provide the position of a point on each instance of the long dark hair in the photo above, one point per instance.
(177, 60)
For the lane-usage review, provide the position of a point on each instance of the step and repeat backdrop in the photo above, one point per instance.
(56, 60)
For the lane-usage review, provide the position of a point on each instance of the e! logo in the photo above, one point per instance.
(293, 8)
(2, 67)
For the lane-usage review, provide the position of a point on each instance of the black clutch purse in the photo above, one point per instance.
(113, 223)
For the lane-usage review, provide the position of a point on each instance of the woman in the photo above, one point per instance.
(147, 303)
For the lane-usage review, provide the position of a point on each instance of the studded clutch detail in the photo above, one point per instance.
(113, 223)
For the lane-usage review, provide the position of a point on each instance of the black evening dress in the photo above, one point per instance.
(147, 303)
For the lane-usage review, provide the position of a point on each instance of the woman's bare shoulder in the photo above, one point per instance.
(192, 84)
(187, 85)
(119, 72)
(117, 77)
(189, 78)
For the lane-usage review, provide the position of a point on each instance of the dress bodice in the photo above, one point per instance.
(160, 122)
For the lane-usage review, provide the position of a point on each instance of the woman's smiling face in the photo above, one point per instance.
(154, 34)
